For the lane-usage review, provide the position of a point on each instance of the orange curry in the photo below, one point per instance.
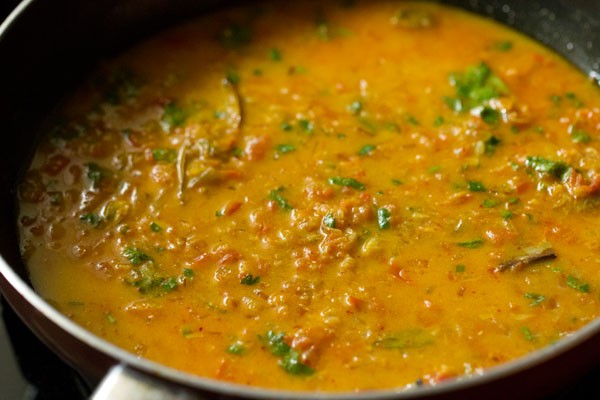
(333, 197)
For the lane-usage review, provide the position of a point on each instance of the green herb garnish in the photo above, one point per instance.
(250, 280)
(348, 182)
(173, 116)
(536, 299)
(383, 218)
(475, 87)
(329, 220)
(471, 244)
(527, 333)
(165, 155)
(135, 255)
(276, 196)
(275, 54)
(92, 219)
(289, 358)
(554, 168)
(366, 150)
(475, 186)
(285, 148)
(577, 284)
(236, 348)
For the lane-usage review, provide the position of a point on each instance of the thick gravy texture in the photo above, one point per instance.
(323, 197)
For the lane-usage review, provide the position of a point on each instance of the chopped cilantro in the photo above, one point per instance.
(289, 358)
(412, 120)
(474, 87)
(348, 182)
(471, 244)
(92, 219)
(276, 196)
(250, 280)
(236, 348)
(155, 227)
(536, 299)
(95, 174)
(355, 107)
(383, 218)
(166, 155)
(329, 220)
(285, 148)
(188, 273)
(459, 268)
(490, 116)
(503, 46)
(527, 333)
(366, 150)
(577, 284)
(579, 135)
(554, 168)
(396, 182)
(506, 215)
(286, 126)
(306, 125)
(439, 121)
(275, 54)
(475, 186)
(232, 77)
(110, 318)
(490, 203)
(491, 144)
(173, 116)
(135, 255)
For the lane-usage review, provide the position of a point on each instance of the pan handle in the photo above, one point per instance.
(125, 383)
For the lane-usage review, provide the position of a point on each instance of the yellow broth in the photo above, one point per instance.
(323, 197)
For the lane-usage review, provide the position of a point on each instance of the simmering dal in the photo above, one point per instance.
(322, 197)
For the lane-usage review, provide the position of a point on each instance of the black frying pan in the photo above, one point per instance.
(46, 47)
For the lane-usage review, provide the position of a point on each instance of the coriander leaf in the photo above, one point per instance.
(577, 284)
(554, 168)
(236, 348)
(491, 144)
(250, 280)
(475, 186)
(92, 219)
(173, 116)
(285, 148)
(367, 150)
(95, 174)
(275, 54)
(154, 227)
(135, 255)
(474, 87)
(276, 196)
(348, 182)
(329, 220)
(490, 116)
(383, 218)
(166, 155)
(537, 299)
(355, 107)
(471, 244)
